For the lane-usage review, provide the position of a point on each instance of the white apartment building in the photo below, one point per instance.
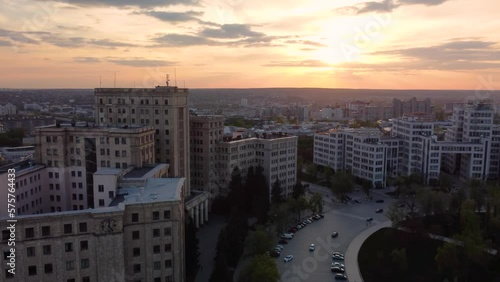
(471, 149)
(139, 237)
(8, 109)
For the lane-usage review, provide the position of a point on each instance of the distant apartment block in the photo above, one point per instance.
(27, 123)
(165, 108)
(8, 109)
(471, 149)
(139, 237)
(411, 106)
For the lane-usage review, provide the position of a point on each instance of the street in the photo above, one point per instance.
(347, 219)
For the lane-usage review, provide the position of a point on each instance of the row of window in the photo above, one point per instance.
(132, 101)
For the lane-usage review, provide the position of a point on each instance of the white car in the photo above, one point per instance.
(280, 247)
(337, 264)
(288, 258)
(312, 247)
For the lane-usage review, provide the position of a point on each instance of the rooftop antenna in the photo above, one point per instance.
(167, 80)
(100, 81)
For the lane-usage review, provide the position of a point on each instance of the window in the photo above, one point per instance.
(157, 279)
(137, 268)
(68, 247)
(156, 249)
(166, 214)
(101, 188)
(169, 278)
(156, 232)
(86, 279)
(168, 263)
(48, 268)
(135, 235)
(167, 231)
(156, 215)
(30, 251)
(68, 228)
(135, 217)
(101, 202)
(84, 245)
(111, 194)
(168, 248)
(29, 232)
(70, 265)
(84, 263)
(157, 265)
(32, 270)
(45, 230)
(136, 252)
(47, 250)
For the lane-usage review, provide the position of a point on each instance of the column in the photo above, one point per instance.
(205, 205)
(191, 212)
(197, 216)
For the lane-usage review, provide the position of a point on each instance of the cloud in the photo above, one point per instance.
(141, 62)
(17, 36)
(385, 6)
(303, 63)
(182, 40)
(305, 42)
(5, 43)
(173, 17)
(78, 42)
(87, 60)
(230, 31)
(456, 54)
(127, 3)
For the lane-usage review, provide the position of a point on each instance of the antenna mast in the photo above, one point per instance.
(167, 80)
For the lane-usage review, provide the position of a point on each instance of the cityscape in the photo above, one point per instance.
(233, 141)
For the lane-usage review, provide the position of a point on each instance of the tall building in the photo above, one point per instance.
(471, 149)
(73, 154)
(139, 237)
(8, 109)
(411, 106)
(163, 107)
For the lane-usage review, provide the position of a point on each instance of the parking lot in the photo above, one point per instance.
(347, 219)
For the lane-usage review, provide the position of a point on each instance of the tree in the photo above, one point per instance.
(396, 214)
(316, 203)
(341, 185)
(237, 197)
(281, 217)
(236, 232)
(258, 242)
(298, 190)
(447, 261)
(261, 193)
(367, 186)
(399, 259)
(445, 182)
(261, 268)
(312, 170)
(191, 250)
(221, 269)
(276, 197)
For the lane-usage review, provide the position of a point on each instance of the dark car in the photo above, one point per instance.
(379, 201)
(282, 241)
(369, 219)
(337, 269)
(275, 254)
(379, 211)
(335, 234)
(340, 276)
(357, 201)
(321, 215)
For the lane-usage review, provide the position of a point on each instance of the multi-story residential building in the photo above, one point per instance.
(30, 184)
(374, 113)
(471, 149)
(27, 123)
(163, 107)
(73, 154)
(8, 109)
(276, 154)
(139, 237)
(411, 106)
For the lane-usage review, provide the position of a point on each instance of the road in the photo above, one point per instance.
(348, 220)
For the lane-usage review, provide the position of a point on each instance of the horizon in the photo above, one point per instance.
(233, 44)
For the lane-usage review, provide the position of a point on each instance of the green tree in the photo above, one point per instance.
(261, 268)
(312, 170)
(316, 203)
(221, 269)
(258, 242)
(298, 190)
(367, 186)
(447, 261)
(237, 197)
(276, 197)
(396, 214)
(341, 185)
(281, 217)
(191, 250)
(261, 202)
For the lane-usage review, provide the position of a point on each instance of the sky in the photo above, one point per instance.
(387, 44)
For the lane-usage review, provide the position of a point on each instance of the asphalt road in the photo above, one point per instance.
(347, 219)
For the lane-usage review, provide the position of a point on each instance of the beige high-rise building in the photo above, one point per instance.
(163, 107)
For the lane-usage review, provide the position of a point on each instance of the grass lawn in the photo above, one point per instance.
(376, 263)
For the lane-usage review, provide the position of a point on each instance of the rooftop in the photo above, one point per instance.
(154, 190)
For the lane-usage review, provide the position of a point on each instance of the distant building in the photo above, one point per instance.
(244, 102)
(27, 123)
(16, 154)
(411, 106)
(8, 109)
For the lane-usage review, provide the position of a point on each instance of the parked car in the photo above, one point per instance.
(299, 226)
(340, 276)
(357, 201)
(275, 254)
(321, 215)
(369, 219)
(335, 234)
(280, 247)
(312, 247)
(337, 256)
(282, 241)
(288, 258)
(338, 269)
(337, 264)
(287, 236)
(379, 211)
(379, 201)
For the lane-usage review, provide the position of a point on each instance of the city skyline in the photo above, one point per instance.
(411, 44)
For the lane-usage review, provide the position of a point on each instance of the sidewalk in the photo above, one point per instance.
(207, 236)
(351, 255)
